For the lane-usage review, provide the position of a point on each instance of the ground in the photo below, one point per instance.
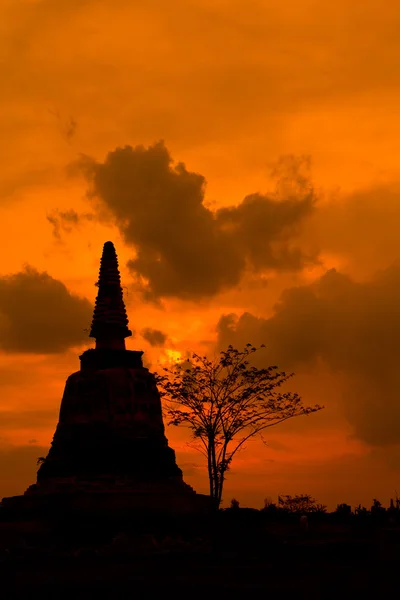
(176, 577)
(320, 565)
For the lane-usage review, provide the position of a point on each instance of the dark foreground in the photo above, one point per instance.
(232, 563)
(180, 577)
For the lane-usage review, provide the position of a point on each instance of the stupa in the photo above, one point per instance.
(109, 451)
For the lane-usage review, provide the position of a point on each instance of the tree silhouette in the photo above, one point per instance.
(343, 509)
(269, 506)
(225, 402)
(235, 504)
(303, 503)
(361, 511)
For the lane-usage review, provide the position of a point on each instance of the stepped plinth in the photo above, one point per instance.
(109, 451)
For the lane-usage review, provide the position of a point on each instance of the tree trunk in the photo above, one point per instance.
(215, 474)
(210, 473)
(222, 472)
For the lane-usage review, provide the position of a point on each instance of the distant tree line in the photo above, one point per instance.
(305, 504)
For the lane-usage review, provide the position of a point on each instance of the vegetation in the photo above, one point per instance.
(300, 504)
(225, 402)
(305, 504)
(343, 509)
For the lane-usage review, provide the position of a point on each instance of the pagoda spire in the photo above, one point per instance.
(110, 321)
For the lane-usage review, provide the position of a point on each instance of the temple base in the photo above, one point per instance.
(106, 504)
(169, 498)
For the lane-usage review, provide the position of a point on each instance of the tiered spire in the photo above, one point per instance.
(110, 321)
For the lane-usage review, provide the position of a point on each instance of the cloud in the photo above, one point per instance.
(183, 248)
(39, 315)
(155, 337)
(353, 328)
(64, 221)
(240, 96)
(361, 228)
(67, 126)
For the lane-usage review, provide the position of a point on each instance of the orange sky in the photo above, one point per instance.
(230, 87)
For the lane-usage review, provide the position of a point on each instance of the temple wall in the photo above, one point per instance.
(110, 423)
(121, 397)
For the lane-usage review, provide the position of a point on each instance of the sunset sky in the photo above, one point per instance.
(244, 158)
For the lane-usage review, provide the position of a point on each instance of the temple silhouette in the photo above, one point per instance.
(109, 451)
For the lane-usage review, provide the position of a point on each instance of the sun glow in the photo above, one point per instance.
(170, 356)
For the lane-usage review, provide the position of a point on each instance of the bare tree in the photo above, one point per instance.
(225, 402)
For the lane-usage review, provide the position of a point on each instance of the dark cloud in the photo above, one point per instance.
(353, 327)
(70, 128)
(155, 337)
(67, 126)
(38, 314)
(183, 248)
(64, 221)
